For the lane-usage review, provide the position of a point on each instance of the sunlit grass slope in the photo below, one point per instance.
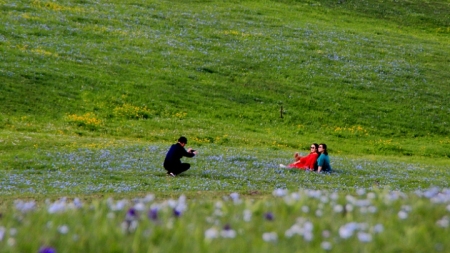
(368, 77)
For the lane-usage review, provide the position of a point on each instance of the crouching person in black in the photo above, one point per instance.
(173, 163)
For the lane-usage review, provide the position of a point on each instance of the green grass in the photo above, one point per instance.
(155, 70)
(92, 93)
(308, 220)
(97, 166)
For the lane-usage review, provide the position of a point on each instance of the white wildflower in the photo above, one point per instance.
(295, 196)
(247, 215)
(324, 199)
(378, 228)
(326, 245)
(228, 233)
(314, 193)
(129, 226)
(172, 203)
(11, 241)
(2, 233)
(280, 192)
(218, 205)
(25, 207)
(211, 233)
(235, 197)
(406, 208)
(77, 203)
(110, 215)
(295, 229)
(346, 231)
(402, 215)
(182, 199)
(308, 236)
(334, 196)
(149, 198)
(218, 213)
(57, 207)
(364, 237)
(350, 199)
(308, 226)
(444, 222)
(338, 208)
(119, 205)
(270, 237)
(360, 191)
(139, 206)
(64, 229)
(431, 192)
(12, 231)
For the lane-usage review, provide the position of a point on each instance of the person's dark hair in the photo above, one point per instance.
(324, 146)
(182, 139)
(317, 147)
(317, 152)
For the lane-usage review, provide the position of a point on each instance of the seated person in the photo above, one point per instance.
(323, 162)
(307, 162)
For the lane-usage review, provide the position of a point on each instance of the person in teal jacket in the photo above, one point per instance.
(323, 162)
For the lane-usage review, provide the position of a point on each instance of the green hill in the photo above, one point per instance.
(369, 77)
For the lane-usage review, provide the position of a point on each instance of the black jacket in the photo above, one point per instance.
(175, 153)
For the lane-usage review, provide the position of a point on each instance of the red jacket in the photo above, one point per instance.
(306, 162)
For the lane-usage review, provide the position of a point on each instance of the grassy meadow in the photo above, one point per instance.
(92, 93)
(225, 72)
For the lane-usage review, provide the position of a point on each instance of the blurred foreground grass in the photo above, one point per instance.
(307, 220)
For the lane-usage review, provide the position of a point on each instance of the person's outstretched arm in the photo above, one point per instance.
(188, 152)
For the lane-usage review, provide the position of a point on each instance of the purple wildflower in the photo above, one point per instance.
(153, 214)
(227, 227)
(131, 220)
(47, 250)
(269, 216)
(176, 212)
(131, 215)
(132, 212)
(227, 232)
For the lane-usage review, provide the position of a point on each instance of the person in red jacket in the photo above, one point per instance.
(308, 162)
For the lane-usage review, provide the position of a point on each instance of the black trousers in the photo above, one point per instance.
(177, 168)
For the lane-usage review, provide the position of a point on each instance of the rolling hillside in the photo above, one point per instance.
(239, 72)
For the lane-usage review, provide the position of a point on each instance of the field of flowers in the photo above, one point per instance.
(303, 220)
(233, 199)
(138, 168)
(92, 92)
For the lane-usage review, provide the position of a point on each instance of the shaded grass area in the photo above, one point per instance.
(414, 14)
